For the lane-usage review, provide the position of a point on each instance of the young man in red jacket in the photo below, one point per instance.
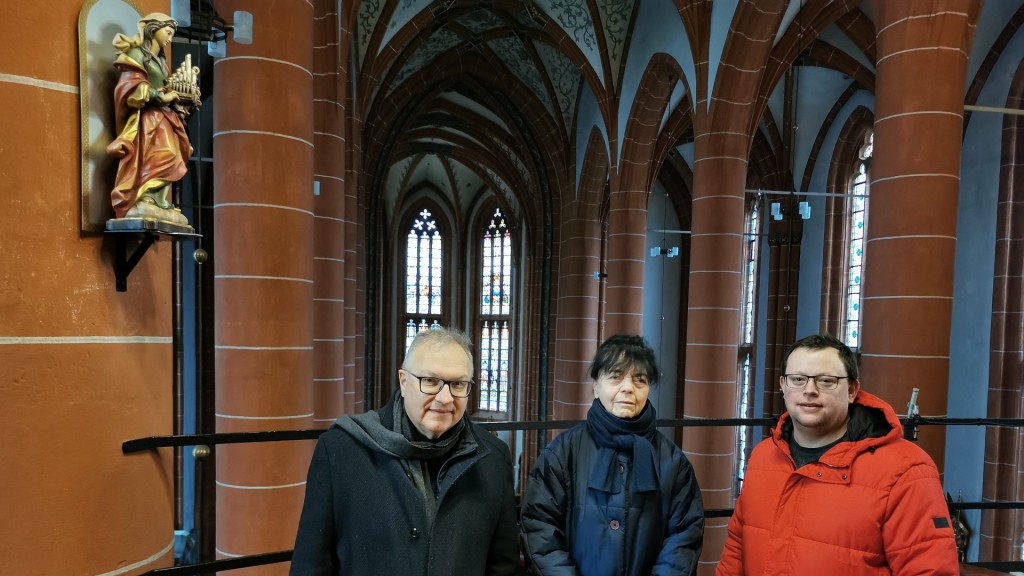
(837, 489)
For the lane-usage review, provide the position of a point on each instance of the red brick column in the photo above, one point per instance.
(627, 241)
(626, 250)
(264, 275)
(354, 258)
(723, 126)
(713, 321)
(911, 236)
(577, 325)
(329, 263)
(355, 283)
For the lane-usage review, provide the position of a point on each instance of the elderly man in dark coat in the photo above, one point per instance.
(415, 487)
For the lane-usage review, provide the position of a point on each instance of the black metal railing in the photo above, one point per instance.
(153, 442)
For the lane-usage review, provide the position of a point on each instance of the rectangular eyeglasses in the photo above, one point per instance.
(822, 381)
(432, 385)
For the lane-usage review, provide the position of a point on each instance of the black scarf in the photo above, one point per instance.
(390, 431)
(612, 433)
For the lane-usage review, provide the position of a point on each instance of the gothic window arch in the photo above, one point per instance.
(424, 298)
(495, 304)
(752, 241)
(857, 214)
(846, 220)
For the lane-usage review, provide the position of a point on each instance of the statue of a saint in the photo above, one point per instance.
(150, 108)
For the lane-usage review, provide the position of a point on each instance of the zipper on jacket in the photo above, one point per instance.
(474, 458)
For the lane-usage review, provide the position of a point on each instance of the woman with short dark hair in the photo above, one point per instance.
(613, 495)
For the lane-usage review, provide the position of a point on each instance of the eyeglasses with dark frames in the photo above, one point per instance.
(822, 381)
(432, 385)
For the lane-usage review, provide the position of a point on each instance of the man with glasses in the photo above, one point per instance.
(415, 487)
(837, 489)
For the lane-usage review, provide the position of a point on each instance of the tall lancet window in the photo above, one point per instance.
(495, 315)
(746, 349)
(424, 253)
(858, 217)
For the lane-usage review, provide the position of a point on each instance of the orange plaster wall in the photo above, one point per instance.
(72, 502)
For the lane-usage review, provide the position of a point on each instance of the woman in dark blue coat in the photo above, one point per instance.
(614, 495)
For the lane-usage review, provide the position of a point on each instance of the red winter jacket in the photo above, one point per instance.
(872, 505)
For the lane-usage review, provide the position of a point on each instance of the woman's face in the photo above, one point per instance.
(622, 394)
(163, 36)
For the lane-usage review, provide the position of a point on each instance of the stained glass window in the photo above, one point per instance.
(494, 363)
(497, 268)
(744, 434)
(495, 314)
(751, 278)
(423, 279)
(857, 222)
(412, 328)
(746, 373)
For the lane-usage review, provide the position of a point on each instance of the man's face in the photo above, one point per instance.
(435, 414)
(622, 394)
(819, 416)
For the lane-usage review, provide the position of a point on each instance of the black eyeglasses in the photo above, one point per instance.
(822, 381)
(432, 385)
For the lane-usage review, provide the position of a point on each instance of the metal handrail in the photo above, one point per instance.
(153, 442)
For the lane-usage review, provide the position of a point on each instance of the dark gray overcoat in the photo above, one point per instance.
(363, 516)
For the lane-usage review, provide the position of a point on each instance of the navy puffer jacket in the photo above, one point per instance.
(570, 529)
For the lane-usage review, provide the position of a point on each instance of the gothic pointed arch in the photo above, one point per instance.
(846, 162)
(1002, 530)
(494, 302)
(423, 292)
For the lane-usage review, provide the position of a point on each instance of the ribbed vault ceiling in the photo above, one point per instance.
(445, 88)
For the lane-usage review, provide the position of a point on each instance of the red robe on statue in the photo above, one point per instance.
(152, 142)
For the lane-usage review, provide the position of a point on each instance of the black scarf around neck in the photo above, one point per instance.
(611, 434)
(390, 431)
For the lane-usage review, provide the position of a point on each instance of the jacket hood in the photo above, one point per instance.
(872, 423)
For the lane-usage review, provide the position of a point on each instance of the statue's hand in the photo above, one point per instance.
(169, 96)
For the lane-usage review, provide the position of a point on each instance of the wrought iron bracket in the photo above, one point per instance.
(145, 232)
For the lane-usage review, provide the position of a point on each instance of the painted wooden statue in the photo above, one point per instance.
(150, 107)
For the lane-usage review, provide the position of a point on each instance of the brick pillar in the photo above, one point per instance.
(723, 129)
(264, 274)
(355, 282)
(626, 250)
(713, 323)
(627, 242)
(355, 259)
(329, 230)
(577, 323)
(911, 236)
